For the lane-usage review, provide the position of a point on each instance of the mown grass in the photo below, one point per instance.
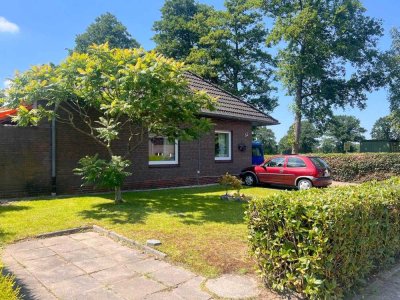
(197, 228)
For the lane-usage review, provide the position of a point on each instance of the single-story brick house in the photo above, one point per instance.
(29, 166)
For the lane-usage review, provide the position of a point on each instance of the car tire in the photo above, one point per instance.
(304, 184)
(249, 180)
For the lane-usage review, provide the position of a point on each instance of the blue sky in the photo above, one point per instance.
(40, 31)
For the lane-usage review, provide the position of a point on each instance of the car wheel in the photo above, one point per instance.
(249, 180)
(304, 184)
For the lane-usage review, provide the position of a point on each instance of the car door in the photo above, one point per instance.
(273, 171)
(295, 167)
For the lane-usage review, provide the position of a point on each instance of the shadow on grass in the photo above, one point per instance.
(191, 206)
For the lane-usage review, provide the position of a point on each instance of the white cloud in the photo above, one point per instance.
(7, 26)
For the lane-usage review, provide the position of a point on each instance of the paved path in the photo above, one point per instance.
(91, 266)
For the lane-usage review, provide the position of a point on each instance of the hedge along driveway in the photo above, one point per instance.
(361, 167)
(322, 243)
(197, 229)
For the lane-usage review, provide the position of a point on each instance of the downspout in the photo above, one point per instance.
(53, 156)
(198, 161)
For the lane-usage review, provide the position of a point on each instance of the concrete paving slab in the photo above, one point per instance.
(99, 294)
(114, 274)
(148, 265)
(191, 289)
(137, 287)
(81, 254)
(233, 286)
(171, 276)
(36, 253)
(68, 289)
(166, 295)
(96, 264)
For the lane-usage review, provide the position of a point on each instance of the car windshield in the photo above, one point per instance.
(319, 163)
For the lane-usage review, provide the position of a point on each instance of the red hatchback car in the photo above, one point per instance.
(298, 171)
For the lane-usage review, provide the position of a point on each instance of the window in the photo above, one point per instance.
(223, 145)
(162, 151)
(319, 163)
(276, 162)
(256, 151)
(295, 162)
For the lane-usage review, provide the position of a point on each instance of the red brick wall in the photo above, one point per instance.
(71, 146)
(25, 161)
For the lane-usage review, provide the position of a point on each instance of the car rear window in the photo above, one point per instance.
(319, 163)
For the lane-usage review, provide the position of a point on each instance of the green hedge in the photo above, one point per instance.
(321, 243)
(362, 167)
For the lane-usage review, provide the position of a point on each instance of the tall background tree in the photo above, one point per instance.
(226, 47)
(393, 64)
(384, 129)
(175, 32)
(308, 141)
(318, 42)
(267, 137)
(344, 129)
(105, 29)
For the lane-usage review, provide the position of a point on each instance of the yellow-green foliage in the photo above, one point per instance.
(321, 243)
(230, 182)
(7, 285)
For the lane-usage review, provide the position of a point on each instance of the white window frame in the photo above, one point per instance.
(167, 162)
(229, 145)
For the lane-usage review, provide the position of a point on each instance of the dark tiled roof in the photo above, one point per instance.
(229, 106)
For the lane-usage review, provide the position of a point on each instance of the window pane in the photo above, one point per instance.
(222, 145)
(295, 162)
(161, 150)
(276, 162)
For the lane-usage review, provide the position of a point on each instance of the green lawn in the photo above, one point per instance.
(197, 229)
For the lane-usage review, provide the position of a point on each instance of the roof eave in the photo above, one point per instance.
(253, 121)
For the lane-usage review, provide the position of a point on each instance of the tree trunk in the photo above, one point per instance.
(297, 119)
(118, 195)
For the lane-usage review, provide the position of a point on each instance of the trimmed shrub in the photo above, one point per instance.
(322, 242)
(362, 167)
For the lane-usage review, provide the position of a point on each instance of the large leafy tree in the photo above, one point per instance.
(226, 47)
(267, 137)
(393, 64)
(176, 34)
(231, 52)
(344, 129)
(115, 97)
(105, 29)
(384, 129)
(308, 142)
(327, 55)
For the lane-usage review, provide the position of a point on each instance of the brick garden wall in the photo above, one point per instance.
(25, 161)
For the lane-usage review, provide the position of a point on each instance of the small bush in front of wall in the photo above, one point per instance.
(323, 243)
(230, 182)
